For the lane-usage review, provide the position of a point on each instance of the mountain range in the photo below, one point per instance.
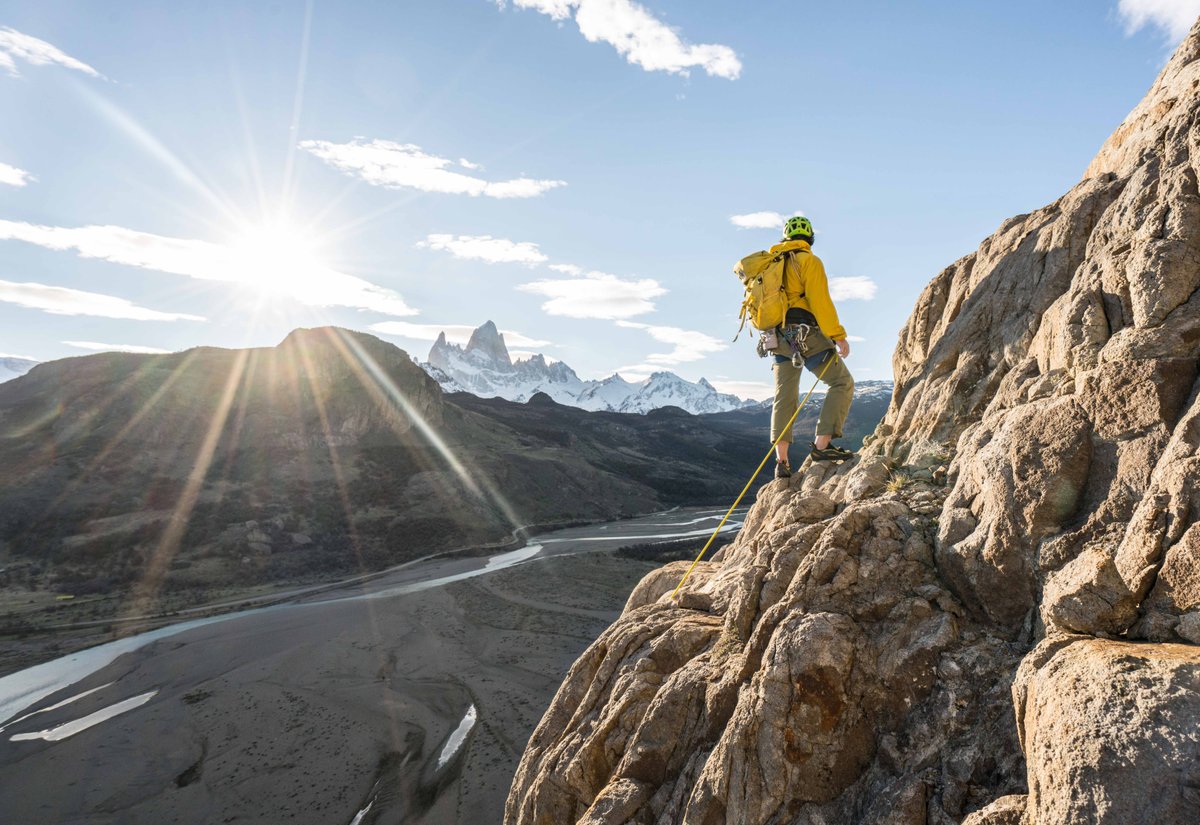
(330, 453)
(871, 399)
(484, 368)
(181, 475)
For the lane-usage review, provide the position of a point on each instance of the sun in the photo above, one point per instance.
(275, 258)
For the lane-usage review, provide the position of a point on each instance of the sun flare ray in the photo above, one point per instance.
(476, 483)
(147, 589)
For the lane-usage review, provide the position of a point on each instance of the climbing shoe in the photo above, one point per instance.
(782, 469)
(830, 453)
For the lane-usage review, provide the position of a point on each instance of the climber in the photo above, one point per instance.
(810, 336)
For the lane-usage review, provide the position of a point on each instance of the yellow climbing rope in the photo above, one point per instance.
(786, 428)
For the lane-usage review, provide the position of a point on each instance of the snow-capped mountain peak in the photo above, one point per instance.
(487, 347)
(485, 368)
(11, 367)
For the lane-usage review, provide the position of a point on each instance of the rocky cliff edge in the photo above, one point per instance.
(993, 616)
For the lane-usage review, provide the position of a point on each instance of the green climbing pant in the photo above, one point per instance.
(787, 392)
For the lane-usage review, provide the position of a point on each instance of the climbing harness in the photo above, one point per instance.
(795, 335)
(786, 428)
(767, 341)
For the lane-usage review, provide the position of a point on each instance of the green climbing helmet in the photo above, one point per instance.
(797, 227)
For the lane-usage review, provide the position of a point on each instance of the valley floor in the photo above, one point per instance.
(314, 710)
(39, 625)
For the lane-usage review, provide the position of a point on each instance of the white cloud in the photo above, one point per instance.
(485, 248)
(1174, 18)
(521, 188)
(98, 347)
(568, 269)
(304, 280)
(855, 339)
(597, 295)
(638, 36)
(59, 300)
(689, 345)
(466, 164)
(399, 165)
(761, 220)
(19, 357)
(856, 288)
(758, 390)
(455, 333)
(16, 46)
(13, 176)
(557, 9)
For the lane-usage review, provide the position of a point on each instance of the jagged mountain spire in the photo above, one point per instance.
(486, 341)
(484, 367)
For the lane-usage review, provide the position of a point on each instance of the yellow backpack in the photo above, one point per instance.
(765, 304)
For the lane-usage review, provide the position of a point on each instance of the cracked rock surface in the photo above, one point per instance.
(992, 616)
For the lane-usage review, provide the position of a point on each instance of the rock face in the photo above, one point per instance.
(992, 615)
(1110, 731)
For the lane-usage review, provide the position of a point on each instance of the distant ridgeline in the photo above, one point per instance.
(328, 454)
(11, 367)
(485, 369)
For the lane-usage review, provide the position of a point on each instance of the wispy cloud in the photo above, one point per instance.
(13, 176)
(1174, 18)
(306, 281)
(855, 339)
(761, 220)
(455, 333)
(98, 347)
(567, 269)
(639, 36)
(689, 344)
(59, 300)
(855, 288)
(15, 46)
(597, 295)
(405, 166)
(485, 248)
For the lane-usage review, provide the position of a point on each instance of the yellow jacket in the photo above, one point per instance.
(805, 285)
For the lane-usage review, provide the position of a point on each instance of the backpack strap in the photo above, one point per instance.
(795, 252)
(742, 316)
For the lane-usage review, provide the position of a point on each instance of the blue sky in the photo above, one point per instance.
(181, 174)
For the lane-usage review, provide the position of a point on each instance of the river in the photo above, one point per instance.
(369, 696)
